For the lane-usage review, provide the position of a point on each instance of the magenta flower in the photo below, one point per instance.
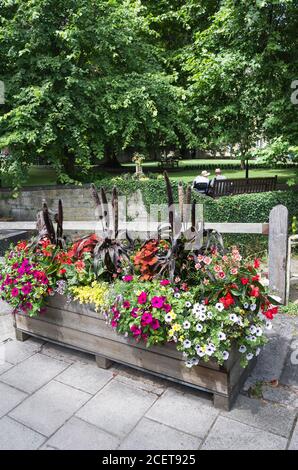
(167, 308)
(157, 302)
(28, 306)
(142, 298)
(155, 324)
(127, 278)
(21, 270)
(15, 292)
(135, 330)
(134, 312)
(146, 318)
(126, 304)
(114, 324)
(26, 289)
(144, 337)
(164, 282)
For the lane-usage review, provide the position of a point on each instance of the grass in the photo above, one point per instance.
(45, 175)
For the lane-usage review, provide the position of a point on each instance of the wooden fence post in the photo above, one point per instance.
(278, 238)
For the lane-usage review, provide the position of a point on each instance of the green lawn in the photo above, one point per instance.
(283, 174)
(47, 176)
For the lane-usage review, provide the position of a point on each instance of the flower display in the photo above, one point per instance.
(214, 303)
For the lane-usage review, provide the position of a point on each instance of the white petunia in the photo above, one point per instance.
(196, 309)
(200, 352)
(195, 361)
(203, 308)
(209, 351)
(233, 317)
(186, 343)
(168, 318)
(258, 350)
(199, 327)
(259, 331)
(219, 306)
(264, 281)
(186, 325)
(252, 329)
(246, 305)
(209, 314)
(177, 295)
(225, 355)
(242, 348)
(240, 322)
(222, 336)
(253, 307)
(268, 325)
(189, 364)
(249, 356)
(202, 316)
(188, 304)
(211, 345)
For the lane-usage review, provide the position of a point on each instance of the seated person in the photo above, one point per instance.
(201, 182)
(218, 176)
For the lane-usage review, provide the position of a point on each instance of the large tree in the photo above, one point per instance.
(240, 71)
(83, 79)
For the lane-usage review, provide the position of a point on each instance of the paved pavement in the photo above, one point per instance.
(55, 398)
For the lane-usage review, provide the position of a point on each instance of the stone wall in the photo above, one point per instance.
(77, 203)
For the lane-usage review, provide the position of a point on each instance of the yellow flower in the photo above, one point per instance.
(171, 332)
(176, 327)
(174, 316)
(95, 294)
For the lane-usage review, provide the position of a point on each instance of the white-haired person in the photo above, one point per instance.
(201, 182)
(218, 176)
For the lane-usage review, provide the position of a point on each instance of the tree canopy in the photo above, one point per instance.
(84, 80)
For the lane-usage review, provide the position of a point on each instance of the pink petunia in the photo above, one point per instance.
(126, 304)
(167, 307)
(135, 330)
(146, 318)
(157, 302)
(142, 298)
(15, 292)
(207, 260)
(26, 289)
(114, 324)
(164, 282)
(134, 312)
(155, 324)
(127, 278)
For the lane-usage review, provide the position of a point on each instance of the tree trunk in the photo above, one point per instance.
(110, 158)
(69, 163)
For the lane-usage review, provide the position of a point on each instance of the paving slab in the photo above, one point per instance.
(6, 328)
(5, 309)
(86, 377)
(9, 398)
(117, 408)
(228, 434)
(17, 351)
(294, 440)
(15, 436)
(281, 394)
(4, 366)
(48, 408)
(140, 379)
(151, 435)
(80, 435)
(269, 417)
(184, 411)
(66, 354)
(34, 372)
(290, 372)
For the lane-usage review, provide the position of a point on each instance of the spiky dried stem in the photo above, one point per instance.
(105, 208)
(60, 224)
(48, 223)
(170, 202)
(181, 200)
(115, 206)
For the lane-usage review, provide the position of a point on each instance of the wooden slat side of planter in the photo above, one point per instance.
(149, 360)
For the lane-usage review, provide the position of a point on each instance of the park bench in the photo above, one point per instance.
(168, 161)
(230, 187)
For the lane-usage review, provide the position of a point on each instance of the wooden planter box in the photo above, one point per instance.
(79, 327)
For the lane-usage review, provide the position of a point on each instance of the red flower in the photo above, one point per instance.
(244, 280)
(22, 245)
(255, 278)
(257, 263)
(227, 301)
(80, 265)
(255, 291)
(62, 271)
